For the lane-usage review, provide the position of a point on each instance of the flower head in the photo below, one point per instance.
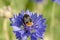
(28, 24)
(6, 11)
(57, 1)
(37, 1)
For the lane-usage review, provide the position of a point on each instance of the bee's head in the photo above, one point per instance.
(27, 20)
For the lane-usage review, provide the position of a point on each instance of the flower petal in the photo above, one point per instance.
(15, 28)
(16, 21)
(24, 37)
(18, 35)
(28, 12)
(34, 17)
(33, 38)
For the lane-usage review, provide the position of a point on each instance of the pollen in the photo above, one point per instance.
(29, 24)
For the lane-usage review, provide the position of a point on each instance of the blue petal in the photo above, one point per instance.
(38, 0)
(22, 13)
(40, 17)
(24, 37)
(40, 26)
(53, 0)
(34, 17)
(18, 35)
(40, 31)
(15, 28)
(33, 38)
(57, 1)
(29, 13)
(16, 21)
(27, 33)
(41, 22)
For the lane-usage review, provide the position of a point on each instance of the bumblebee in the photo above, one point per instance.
(27, 20)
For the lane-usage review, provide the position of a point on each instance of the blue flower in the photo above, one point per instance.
(28, 24)
(37, 1)
(57, 1)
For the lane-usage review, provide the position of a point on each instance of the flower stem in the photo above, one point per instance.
(5, 29)
(52, 20)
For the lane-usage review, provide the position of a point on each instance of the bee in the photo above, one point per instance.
(27, 20)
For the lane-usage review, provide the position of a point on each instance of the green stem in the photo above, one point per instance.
(52, 20)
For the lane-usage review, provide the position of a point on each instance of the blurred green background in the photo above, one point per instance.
(49, 9)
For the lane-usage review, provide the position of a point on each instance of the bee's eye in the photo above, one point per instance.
(30, 20)
(26, 22)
